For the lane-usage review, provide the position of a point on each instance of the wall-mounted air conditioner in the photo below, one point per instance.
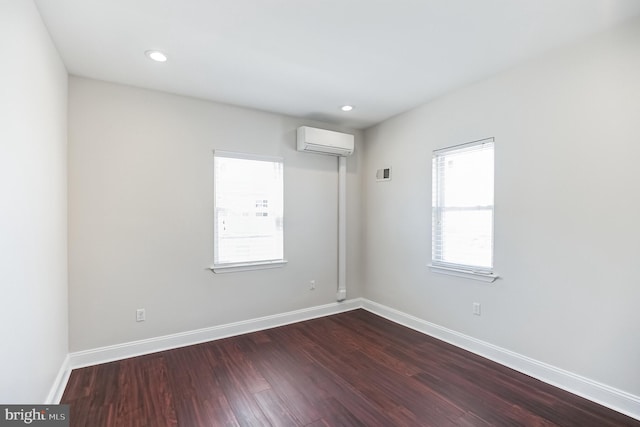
(321, 141)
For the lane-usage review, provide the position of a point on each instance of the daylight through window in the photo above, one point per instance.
(462, 215)
(248, 210)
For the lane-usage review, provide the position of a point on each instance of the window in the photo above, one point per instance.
(462, 214)
(248, 212)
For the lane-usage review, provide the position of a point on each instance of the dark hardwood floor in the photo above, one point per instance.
(351, 369)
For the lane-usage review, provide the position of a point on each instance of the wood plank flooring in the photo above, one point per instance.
(351, 369)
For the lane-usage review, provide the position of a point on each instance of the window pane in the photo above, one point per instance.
(248, 213)
(462, 219)
(468, 237)
(468, 178)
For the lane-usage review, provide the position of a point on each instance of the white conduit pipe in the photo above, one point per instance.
(342, 228)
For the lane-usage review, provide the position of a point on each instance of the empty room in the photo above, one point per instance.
(328, 213)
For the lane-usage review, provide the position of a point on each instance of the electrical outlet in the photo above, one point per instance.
(312, 285)
(476, 308)
(140, 315)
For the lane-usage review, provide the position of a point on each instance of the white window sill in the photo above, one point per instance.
(467, 274)
(232, 268)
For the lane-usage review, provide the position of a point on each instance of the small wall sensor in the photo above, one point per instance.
(383, 174)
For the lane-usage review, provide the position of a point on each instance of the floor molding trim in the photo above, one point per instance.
(111, 353)
(60, 383)
(603, 394)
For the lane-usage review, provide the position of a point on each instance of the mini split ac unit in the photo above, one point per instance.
(321, 141)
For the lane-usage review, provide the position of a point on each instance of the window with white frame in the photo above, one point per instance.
(248, 211)
(462, 214)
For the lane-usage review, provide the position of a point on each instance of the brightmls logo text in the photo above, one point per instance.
(36, 415)
(28, 417)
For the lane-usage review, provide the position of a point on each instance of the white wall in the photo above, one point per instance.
(141, 209)
(33, 206)
(567, 236)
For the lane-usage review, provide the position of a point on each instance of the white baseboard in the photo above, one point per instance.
(110, 353)
(59, 384)
(603, 394)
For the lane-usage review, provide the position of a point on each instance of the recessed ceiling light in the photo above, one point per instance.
(156, 55)
(346, 107)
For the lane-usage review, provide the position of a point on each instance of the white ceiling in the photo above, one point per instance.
(306, 58)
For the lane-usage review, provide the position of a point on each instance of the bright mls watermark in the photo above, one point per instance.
(34, 415)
